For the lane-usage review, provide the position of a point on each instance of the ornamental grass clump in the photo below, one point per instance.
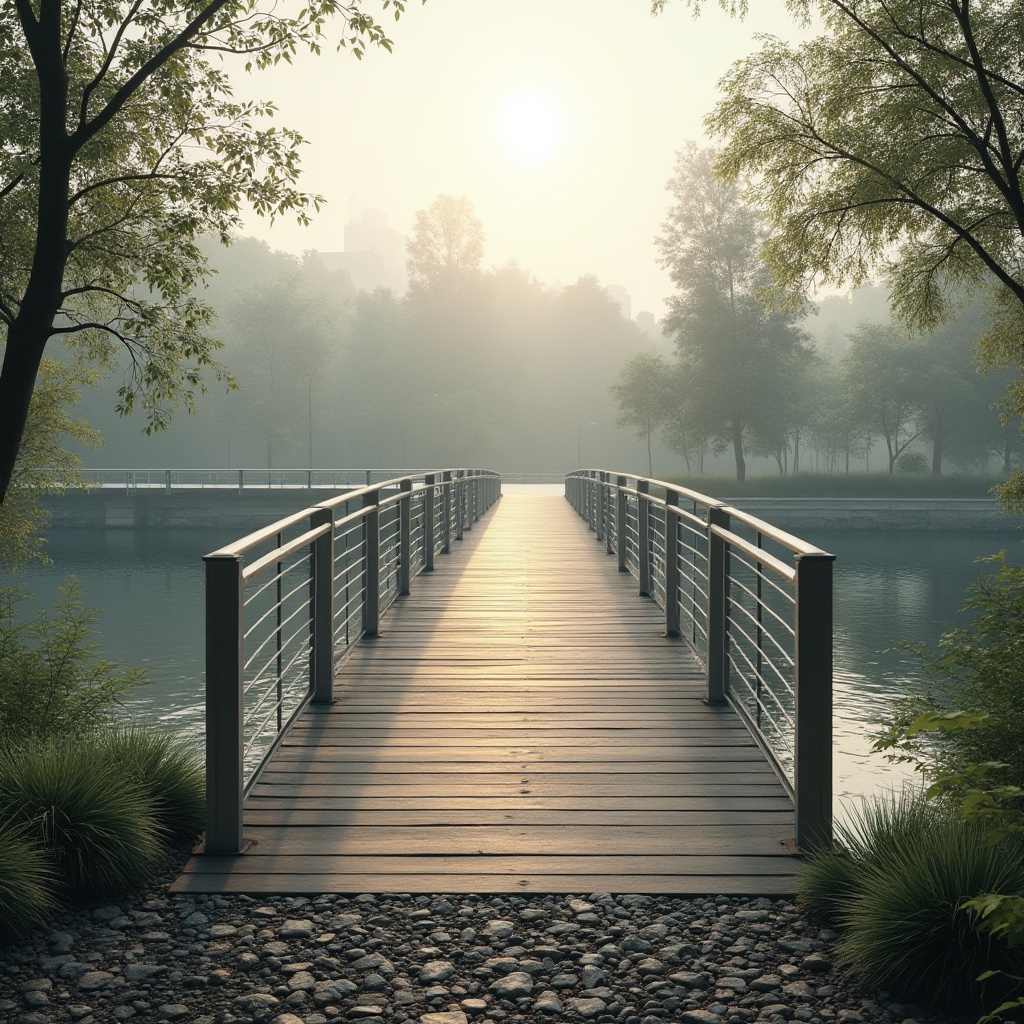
(907, 868)
(95, 823)
(167, 769)
(27, 881)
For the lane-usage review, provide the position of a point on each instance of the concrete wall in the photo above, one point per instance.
(141, 509)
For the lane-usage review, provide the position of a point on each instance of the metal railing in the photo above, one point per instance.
(168, 480)
(285, 603)
(754, 602)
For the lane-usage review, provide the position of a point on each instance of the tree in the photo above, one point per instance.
(733, 347)
(446, 248)
(121, 144)
(882, 382)
(643, 393)
(892, 142)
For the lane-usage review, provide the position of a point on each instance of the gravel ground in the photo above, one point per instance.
(396, 958)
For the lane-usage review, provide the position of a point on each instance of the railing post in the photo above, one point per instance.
(405, 537)
(460, 497)
(620, 522)
(812, 770)
(429, 534)
(671, 563)
(717, 620)
(321, 585)
(167, 481)
(241, 481)
(611, 508)
(225, 742)
(643, 532)
(371, 566)
(602, 478)
(446, 509)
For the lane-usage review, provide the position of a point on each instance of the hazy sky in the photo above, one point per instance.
(559, 119)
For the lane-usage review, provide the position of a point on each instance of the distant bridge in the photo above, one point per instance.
(519, 719)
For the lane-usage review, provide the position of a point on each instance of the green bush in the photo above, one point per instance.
(900, 883)
(26, 881)
(51, 682)
(913, 464)
(96, 824)
(979, 670)
(167, 769)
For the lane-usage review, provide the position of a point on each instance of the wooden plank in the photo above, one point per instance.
(425, 812)
(698, 884)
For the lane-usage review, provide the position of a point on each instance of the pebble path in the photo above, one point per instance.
(396, 958)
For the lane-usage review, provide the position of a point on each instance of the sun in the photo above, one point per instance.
(529, 126)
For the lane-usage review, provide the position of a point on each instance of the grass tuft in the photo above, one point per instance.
(895, 889)
(167, 769)
(96, 825)
(27, 881)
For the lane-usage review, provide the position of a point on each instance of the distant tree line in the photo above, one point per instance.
(746, 376)
(472, 365)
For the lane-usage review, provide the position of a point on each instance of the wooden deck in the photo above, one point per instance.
(521, 726)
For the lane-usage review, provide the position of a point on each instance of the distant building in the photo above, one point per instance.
(646, 322)
(374, 255)
(621, 296)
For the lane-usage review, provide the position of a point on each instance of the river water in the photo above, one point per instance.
(890, 587)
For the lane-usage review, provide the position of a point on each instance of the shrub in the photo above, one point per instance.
(51, 682)
(167, 769)
(96, 824)
(912, 463)
(26, 881)
(908, 868)
(979, 669)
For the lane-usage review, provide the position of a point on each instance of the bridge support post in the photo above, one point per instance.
(671, 563)
(321, 596)
(610, 514)
(371, 571)
(717, 619)
(446, 510)
(405, 537)
(225, 743)
(429, 511)
(643, 530)
(459, 494)
(812, 771)
(620, 521)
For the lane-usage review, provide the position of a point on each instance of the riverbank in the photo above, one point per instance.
(392, 959)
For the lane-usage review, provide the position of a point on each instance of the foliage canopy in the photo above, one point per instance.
(122, 141)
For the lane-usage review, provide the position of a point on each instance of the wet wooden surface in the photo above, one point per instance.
(522, 725)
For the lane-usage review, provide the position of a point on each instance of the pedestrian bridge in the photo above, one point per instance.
(418, 687)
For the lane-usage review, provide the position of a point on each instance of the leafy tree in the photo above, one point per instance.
(733, 347)
(121, 144)
(892, 142)
(643, 393)
(881, 380)
(446, 247)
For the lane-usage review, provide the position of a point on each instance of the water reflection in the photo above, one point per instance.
(892, 588)
(889, 588)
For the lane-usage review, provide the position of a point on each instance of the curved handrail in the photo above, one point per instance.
(326, 575)
(755, 604)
